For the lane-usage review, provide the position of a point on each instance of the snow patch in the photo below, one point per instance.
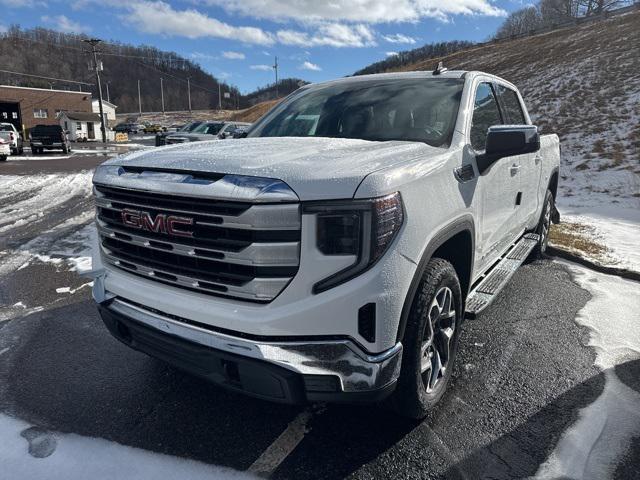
(591, 447)
(34, 453)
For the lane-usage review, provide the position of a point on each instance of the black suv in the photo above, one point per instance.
(48, 137)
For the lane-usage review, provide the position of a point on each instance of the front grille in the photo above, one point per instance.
(237, 249)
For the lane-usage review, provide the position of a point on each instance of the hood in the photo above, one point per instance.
(315, 168)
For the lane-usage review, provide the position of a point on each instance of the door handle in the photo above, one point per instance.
(514, 169)
(537, 159)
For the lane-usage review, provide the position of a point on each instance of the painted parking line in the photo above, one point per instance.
(281, 448)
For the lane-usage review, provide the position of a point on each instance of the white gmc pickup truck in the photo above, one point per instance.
(333, 254)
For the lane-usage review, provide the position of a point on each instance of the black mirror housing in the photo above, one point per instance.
(508, 140)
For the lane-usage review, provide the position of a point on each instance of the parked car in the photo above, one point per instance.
(128, 128)
(334, 259)
(204, 131)
(241, 131)
(154, 128)
(230, 128)
(161, 138)
(5, 149)
(49, 137)
(11, 133)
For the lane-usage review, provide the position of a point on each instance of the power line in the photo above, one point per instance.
(45, 78)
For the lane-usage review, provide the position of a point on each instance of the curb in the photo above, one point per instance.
(620, 272)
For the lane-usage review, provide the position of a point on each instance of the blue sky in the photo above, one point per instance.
(237, 39)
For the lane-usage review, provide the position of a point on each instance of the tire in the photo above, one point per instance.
(65, 149)
(3, 158)
(543, 227)
(435, 316)
(34, 151)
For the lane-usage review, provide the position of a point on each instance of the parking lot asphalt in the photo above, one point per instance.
(523, 372)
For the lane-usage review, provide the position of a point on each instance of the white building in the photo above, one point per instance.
(82, 126)
(108, 108)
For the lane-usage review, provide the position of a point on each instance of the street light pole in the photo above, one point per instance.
(162, 94)
(189, 92)
(139, 99)
(94, 42)
(275, 67)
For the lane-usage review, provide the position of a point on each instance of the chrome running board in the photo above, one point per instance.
(488, 288)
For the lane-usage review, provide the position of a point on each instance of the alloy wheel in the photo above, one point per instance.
(435, 351)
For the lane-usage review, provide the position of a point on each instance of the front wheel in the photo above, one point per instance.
(430, 341)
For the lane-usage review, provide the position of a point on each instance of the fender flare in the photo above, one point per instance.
(461, 224)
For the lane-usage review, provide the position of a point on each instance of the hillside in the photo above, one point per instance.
(582, 83)
(252, 114)
(268, 93)
(60, 55)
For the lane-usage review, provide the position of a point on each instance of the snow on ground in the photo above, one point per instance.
(30, 452)
(591, 447)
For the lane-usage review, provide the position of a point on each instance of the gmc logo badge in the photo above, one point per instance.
(167, 224)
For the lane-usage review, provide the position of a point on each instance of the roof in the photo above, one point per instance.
(82, 116)
(391, 76)
(46, 89)
(104, 102)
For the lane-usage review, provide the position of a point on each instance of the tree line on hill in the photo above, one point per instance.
(551, 13)
(48, 53)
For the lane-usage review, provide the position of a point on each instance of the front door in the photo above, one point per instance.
(91, 133)
(499, 185)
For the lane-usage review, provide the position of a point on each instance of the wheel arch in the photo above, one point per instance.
(455, 243)
(553, 182)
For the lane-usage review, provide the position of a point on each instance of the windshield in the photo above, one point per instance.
(208, 128)
(6, 128)
(189, 127)
(421, 109)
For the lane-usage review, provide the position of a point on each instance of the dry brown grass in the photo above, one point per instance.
(254, 113)
(578, 239)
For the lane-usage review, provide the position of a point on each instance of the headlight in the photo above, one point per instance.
(363, 228)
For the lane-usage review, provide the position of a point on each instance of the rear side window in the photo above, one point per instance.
(511, 104)
(485, 114)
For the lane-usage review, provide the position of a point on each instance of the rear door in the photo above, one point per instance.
(529, 164)
(499, 184)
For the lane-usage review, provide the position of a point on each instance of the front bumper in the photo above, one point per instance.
(283, 371)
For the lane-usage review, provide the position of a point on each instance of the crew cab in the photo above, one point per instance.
(333, 253)
(48, 137)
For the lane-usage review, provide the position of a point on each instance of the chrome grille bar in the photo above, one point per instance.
(266, 254)
(234, 248)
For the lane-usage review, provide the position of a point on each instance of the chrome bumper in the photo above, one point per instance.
(357, 371)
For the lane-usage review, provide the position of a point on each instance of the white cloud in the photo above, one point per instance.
(391, 54)
(261, 67)
(330, 34)
(233, 55)
(158, 17)
(399, 38)
(310, 66)
(366, 11)
(63, 24)
(203, 56)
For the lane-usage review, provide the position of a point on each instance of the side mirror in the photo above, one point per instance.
(506, 141)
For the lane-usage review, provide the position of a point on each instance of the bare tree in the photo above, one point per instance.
(520, 22)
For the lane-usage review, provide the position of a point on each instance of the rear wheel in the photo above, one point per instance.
(3, 158)
(430, 341)
(543, 226)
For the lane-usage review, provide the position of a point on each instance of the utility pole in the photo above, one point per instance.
(94, 42)
(189, 92)
(275, 67)
(219, 97)
(139, 99)
(108, 97)
(162, 95)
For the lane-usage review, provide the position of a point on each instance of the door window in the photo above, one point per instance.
(485, 114)
(511, 104)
